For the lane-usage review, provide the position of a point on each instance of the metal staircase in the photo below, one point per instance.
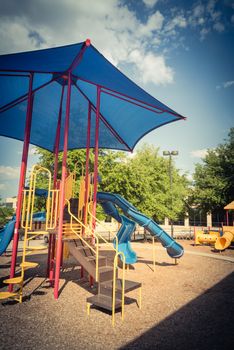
(111, 290)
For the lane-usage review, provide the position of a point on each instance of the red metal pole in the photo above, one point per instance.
(95, 182)
(62, 191)
(23, 168)
(52, 238)
(87, 164)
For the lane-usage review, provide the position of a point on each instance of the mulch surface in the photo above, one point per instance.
(186, 306)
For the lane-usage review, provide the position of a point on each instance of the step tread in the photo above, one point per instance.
(92, 257)
(128, 287)
(82, 247)
(105, 268)
(6, 295)
(28, 264)
(70, 237)
(38, 232)
(103, 301)
(14, 280)
(36, 247)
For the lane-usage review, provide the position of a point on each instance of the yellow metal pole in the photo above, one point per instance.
(123, 288)
(88, 308)
(153, 254)
(140, 297)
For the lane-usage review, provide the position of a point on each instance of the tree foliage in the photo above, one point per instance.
(142, 179)
(5, 214)
(214, 179)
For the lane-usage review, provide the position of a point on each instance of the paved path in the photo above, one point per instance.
(207, 255)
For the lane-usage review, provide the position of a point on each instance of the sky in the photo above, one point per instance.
(180, 51)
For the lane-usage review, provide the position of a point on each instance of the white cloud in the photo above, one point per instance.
(152, 68)
(8, 172)
(199, 153)
(114, 29)
(154, 23)
(228, 84)
(150, 3)
(225, 85)
(219, 27)
(177, 21)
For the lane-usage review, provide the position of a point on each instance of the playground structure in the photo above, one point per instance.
(227, 238)
(94, 93)
(221, 239)
(209, 237)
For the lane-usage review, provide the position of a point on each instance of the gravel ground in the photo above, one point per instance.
(186, 306)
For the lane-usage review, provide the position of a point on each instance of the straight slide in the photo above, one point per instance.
(109, 201)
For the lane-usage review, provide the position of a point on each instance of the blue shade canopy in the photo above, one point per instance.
(127, 112)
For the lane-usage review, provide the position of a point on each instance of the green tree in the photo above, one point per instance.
(5, 214)
(142, 179)
(214, 179)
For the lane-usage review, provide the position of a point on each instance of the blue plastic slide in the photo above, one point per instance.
(6, 235)
(110, 200)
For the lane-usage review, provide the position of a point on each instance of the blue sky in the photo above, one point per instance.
(179, 51)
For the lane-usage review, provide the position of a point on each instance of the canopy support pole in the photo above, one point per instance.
(62, 191)
(87, 165)
(52, 238)
(95, 182)
(23, 169)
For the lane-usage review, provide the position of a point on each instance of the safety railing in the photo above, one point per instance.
(96, 252)
(96, 233)
(52, 201)
(114, 286)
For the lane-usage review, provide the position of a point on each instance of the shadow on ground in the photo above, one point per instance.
(206, 323)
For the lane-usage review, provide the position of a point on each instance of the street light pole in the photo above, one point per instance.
(170, 154)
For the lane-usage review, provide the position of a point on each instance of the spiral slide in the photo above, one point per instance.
(109, 201)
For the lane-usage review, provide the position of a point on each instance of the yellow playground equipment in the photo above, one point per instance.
(79, 238)
(29, 232)
(206, 238)
(226, 239)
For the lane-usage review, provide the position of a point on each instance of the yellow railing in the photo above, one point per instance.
(52, 201)
(96, 233)
(114, 286)
(96, 252)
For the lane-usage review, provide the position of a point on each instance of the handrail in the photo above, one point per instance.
(51, 203)
(96, 233)
(82, 239)
(114, 286)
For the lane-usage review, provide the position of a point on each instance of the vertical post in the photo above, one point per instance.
(87, 165)
(170, 175)
(227, 218)
(23, 168)
(95, 182)
(52, 238)
(62, 191)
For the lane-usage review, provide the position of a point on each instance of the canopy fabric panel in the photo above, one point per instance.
(127, 112)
